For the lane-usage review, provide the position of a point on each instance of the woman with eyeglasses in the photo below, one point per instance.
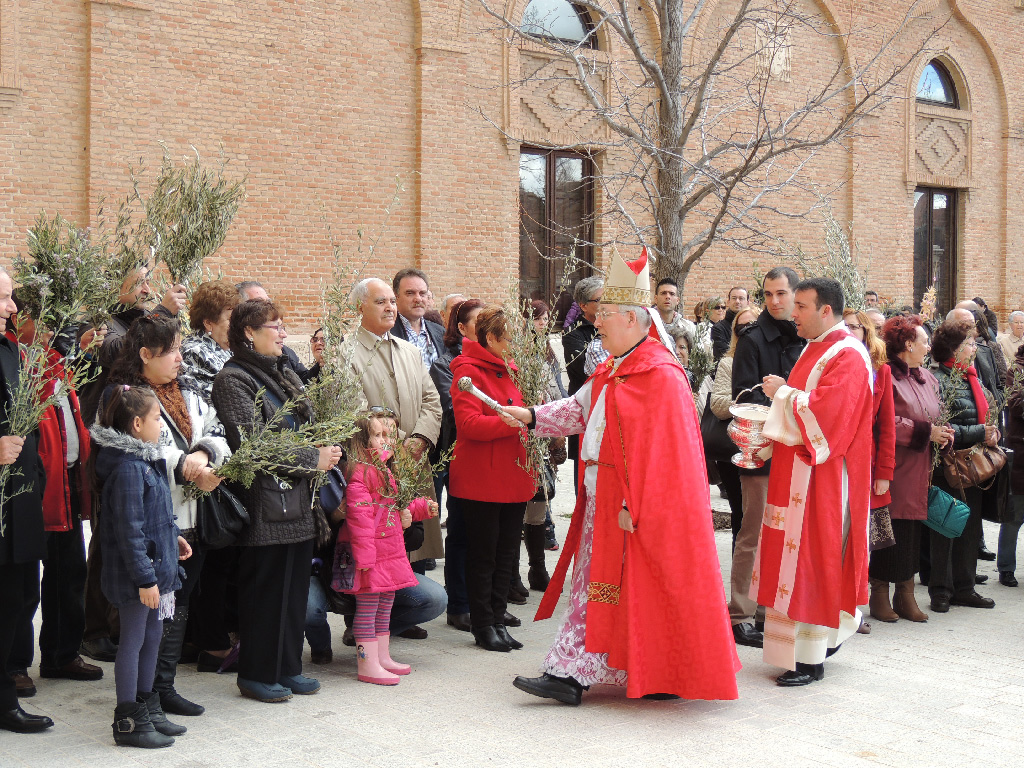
(192, 444)
(277, 547)
(883, 455)
(954, 562)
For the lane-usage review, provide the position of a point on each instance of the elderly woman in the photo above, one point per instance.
(488, 478)
(954, 562)
(277, 547)
(461, 323)
(206, 350)
(192, 445)
(915, 394)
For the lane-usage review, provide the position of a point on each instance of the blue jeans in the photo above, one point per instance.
(413, 605)
(1006, 559)
(455, 545)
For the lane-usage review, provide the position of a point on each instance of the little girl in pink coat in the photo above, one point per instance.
(374, 530)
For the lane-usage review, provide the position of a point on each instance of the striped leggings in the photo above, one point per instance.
(373, 614)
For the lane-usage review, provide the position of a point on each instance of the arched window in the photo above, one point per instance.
(558, 20)
(936, 86)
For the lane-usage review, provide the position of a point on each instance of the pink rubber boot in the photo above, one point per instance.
(368, 664)
(384, 654)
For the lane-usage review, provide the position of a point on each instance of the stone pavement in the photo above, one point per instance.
(945, 693)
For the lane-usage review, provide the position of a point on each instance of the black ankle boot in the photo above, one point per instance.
(488, 639)
(538, 575)
(506, 638)
(132, 728)
(157, 716)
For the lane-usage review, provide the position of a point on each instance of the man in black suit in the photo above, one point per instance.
(587, 294)
(23, 541)
(721, 332)
(412, 292)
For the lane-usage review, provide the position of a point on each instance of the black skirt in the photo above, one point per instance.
(899, 562)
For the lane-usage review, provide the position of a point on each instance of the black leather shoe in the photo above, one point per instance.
(100, 649)
(23, 685)
(1007, 579)
(489, 639)
(805, 674)
(510, 621)
(506, 638)
(980, 579)
(347, 638)
(414, 633)
(20, 721)
(563, 689)
(76, 669)
(973, 600)
(745, 634)
(459, 621)
(515, 598)
(984, 553)
(759, 625)
(660, 696)
(940, 604)
(173, 703)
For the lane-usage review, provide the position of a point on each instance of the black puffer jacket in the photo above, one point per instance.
(279, 515)
(441, 375)
(964, 423)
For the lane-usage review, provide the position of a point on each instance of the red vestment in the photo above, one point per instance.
(655, 602)
(823, 452)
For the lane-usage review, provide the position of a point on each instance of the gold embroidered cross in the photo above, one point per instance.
(802, 407)
(620, 379)
(822, 364)
(791, 544)
(783, 592)
(818, 440)
(778, 518)
(753, 577)
(797, 499)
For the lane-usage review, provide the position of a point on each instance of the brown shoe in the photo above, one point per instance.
(905, 604)
(24, 685)
(77, 669)
(879, 604)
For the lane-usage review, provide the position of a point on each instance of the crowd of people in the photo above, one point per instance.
(863, 412)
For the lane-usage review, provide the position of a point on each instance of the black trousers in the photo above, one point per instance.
(729, 474)
(19, 594)
(174, 628)
(100, 616)
(954, 562)
(273, 587)
(213, 606)
(493, 534)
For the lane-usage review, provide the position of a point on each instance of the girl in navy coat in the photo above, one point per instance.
(141, 548)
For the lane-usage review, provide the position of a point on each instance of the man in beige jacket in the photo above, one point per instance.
(394, 377)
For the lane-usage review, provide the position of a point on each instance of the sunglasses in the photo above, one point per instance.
(719, 306)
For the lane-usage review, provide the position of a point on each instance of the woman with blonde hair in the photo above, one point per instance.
(883, 457)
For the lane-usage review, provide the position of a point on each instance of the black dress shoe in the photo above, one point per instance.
(20, 721)
(660, 696)
(76, 669)
(489, 639)
(1007, 579)
(973, 600)
(23, 685)
(805, 674)
(940, 604)
(980, 579)
(984, 553)
(100, 649)
(563, 689)
(347, 638)
(510, 621)
(459, 621)
(506, 638)
(745, 634)
(515, 598)
(414, 633)
(173, 703)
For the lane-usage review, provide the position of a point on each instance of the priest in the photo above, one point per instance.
(811, 568)
(646, 606)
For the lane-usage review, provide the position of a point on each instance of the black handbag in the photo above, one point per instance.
(220, 518)
(718, 446)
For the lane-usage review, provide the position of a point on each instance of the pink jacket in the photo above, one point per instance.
(375, 532)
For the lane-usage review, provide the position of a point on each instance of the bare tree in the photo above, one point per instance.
(702, 118)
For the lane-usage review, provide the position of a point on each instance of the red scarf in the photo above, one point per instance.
(980, 401)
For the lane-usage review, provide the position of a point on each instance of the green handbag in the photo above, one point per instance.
(946, 514)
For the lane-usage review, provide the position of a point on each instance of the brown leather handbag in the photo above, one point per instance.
(971, 467)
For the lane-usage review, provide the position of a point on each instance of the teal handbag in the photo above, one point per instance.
(946, 514)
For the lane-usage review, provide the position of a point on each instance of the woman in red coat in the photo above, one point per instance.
(488, 478)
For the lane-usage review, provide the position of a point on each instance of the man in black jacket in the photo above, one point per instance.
(23, 540)
(587, 294)
(770, 346)
(721, 332)
(412, 295)
(251, 290)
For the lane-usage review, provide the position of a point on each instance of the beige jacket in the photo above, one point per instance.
(1010, 345)
(394, 376)
(721, 392)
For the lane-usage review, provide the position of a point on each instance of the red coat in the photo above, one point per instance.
(53, 448)
(656, 604)
(375, 532)
(489, 454)
(883, 456)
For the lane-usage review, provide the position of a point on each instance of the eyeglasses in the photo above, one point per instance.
(279, 328)
(855, 327)
(719, 306)
(604, 314)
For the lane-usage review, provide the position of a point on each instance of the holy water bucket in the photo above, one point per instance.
(745, 430)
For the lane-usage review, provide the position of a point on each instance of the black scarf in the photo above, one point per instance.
(276, 369)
